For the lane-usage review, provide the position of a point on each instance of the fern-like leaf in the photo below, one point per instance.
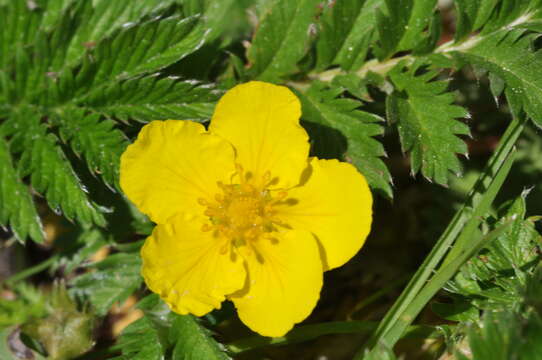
(281, 39)
(425, 118)
(16, 205)
(347, 31)
(153, 98)
(339, 129)
(510, 55)
(50, 171)
(113, 280)
(193, 341)
(68, 69)
(96, 139)
(402, 25)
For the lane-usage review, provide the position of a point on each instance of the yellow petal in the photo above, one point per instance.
(261, 121)
(189, 268)
(335, 204)
(283, 283)
(171, 165)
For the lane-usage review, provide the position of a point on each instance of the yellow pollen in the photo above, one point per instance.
(243, 212)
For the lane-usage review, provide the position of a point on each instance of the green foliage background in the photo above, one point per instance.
(396, 87)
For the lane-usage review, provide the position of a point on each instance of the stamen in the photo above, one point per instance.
(243, 212)
(224, 248)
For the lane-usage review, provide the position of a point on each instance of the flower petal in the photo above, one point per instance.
(189, 268)
(261, 121)
(283, 283)
(335, 204)
(171, 165)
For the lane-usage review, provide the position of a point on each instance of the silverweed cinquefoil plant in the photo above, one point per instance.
(242, 212)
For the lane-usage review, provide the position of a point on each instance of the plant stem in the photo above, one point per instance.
(21, 275)
(446, 240)
(313, 331)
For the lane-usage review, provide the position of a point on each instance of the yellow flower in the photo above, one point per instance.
(242, 212)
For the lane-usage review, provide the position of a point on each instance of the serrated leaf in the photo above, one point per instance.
(420, 18)
(426, 120)
(401, 25)
(112, 280)
(77, 248)
(161, 331)
(94, 138)
(140, 341)
(347, 30)
(50, 171)
(472, 15)
(193, 341)
(16, 206)
(506, 335)
(339, 129)
(19, 24)
(149, 46)
(147, 338)
(459, 310)
(153, 98)
(216, 14)
(106, 17)
(512, 13)
(281, 39)
(498, 274)
(509, 54)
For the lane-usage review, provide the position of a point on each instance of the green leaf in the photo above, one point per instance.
(113, 280)
(29, 303)
(147, 337)
(339, 129)
(472, 15)
(94, 138)
(16, 206)
(425, 118)
(50, 171)
(281, 39)
(509, 54)
(76, 248)
(497, 276)
(459, 310)
(420, 17)
(380, 352)
(153, 98)
(141, 341)
(401, 25)
(216, 14)
(19, 25)
(193, 341)
(347, 30)
(161, 331)
(506, 335)
(105, 17)
(134, 50)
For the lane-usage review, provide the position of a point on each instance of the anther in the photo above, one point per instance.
(206, 227)
(281, 195)
(203, 202)
(266, 178)
(224, 249)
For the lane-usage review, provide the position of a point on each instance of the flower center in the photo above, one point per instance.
(243, 212)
